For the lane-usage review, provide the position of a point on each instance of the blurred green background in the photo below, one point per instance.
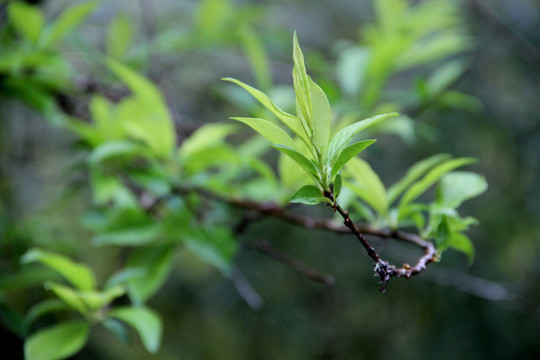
(490, 310)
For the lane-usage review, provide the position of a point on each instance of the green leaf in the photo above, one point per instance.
(69, 19)
(414, 173)
(157, 262)
(291, 121)
(145, 321)
(216, 246)
(267, 129)
(79, 275)
(57, 342)
(119, 36)
(338, 182)
(306, 164)
(27, 19)
(348, 153)
(322, 117)
(257, 56)
(342, 138)
(118, 328)
(444, 234)
(135, 236)
(302, 86)
(310, 195)
(145, 116)
(432, 177)
(462, 243)
(208, 135)
(68, 295)
(112, 149)
(458, 186)
(366, 184)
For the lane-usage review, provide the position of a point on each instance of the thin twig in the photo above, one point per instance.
(264, 247)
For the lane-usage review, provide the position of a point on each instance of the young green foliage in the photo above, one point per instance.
(325, 154)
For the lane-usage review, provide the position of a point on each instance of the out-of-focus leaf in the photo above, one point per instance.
(145, 321)
(206, 136)
(156, 262)
(432, 177)
(117, 328)
(43, 308)
(145, 116)
(216, 246)
(77, 274)
(414, 173)
(458, 186)
(257, 57)
(57, 342)
(135, 236)
(67, 21)
(112, 149)
(348, 153)
(351, 69)
(267, 129)
(68, 295)
(119, 36)
(366, 184)
(342, 138)
(443, 235)
(309, 195)
(445, 76)
(27, 19)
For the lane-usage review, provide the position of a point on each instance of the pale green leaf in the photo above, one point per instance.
(135, 236)
(257, 56)
(342, 137)
(119, 36)
(413, 174)
(27, 19)
(322, 117)
(67, 21)
(305, 163)
(78, 274)
(216, 246)
(302, 88)
(432, 177)
(267, 129)
(310, 195)
(112, 149)
(204, 137)
(145, 321)
(366, 184)
(348, 153)
(68, 295)
(291, 121)
(458, 186)
(57, 342)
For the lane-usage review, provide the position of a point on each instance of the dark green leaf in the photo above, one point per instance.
(43, 308)
(338, 182)
(57, 342)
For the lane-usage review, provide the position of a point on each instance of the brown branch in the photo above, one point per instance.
(265, 248)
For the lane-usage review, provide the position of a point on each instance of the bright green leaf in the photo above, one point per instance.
(27, 19)
(348, 153)
(145, 321)
(338, 183)
(57, 342)
(67, 21)
(112, 149)
(310, 195)
(135, 236)
(322, 117)
(267, 129)
(69, 295)
(204, 137)
(342, 138)
(443, 235)
(79, 275)
(462, 243)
